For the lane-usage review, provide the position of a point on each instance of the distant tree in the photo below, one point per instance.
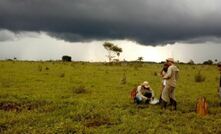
(117, 50)
(112, 50)
(208, 62)
(140, 59)
(216, 60)
(191, 62)
(66, 58)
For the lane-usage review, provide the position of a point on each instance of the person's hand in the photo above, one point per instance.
(145, 98)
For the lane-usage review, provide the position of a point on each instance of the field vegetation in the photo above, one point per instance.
(79, 97)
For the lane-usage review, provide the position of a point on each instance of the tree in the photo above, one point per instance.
(140, 59)
(209, 62)
(216, 60)
(112, 50)
(66, 58)
(191, 62)
(117, 50)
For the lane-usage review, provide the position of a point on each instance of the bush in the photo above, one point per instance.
(199, 77)
(79, 90)
(62, 75)
(209, 62)
(66, 58)
(47, 68)
(124, 79)
(39, 68)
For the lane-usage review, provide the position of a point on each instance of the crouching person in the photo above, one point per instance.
(144, 93)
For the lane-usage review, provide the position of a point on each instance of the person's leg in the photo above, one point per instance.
(165, 97)
(138, 100)
(160, 99)
(172, 98)
(149, 96)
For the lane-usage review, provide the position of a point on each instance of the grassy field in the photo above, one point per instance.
(56, 97)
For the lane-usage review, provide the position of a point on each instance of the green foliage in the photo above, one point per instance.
(66, 58)
(140, 59)
(208, 62)
(95, 98)
(124, 79)
(111, 48)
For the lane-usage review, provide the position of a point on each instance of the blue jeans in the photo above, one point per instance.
(138, 100)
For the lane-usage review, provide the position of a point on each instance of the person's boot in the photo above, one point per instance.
(147, 101)
(160, 100)
(163, 104)
(173, 103)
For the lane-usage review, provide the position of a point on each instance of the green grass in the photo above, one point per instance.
(56, 97)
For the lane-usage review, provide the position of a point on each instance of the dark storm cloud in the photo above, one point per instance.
(146, 21)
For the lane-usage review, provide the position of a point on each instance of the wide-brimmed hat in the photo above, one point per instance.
(170, 60)
(146, 84)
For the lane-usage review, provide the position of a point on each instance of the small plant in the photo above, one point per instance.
(39, 68)
(199, 77)
(124, 79)
(62, 75)
(79, 90)
(155, 73)
(47, 68)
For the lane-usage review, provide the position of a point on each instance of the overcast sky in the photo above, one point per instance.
(153, 29)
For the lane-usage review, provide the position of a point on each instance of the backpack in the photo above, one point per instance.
(202, 106)
(133, 93)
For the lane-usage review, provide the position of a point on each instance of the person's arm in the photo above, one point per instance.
(140, 94)
(152, 93)
(168, 74)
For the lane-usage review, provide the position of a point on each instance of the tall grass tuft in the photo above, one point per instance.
(62, 75)
(46, 68)
(124, 79)
(39, 68)
(79, 90)
(199, 77)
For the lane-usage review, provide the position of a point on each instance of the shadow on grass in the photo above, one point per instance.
(40, 105)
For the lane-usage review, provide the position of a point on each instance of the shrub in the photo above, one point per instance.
(79, 90)
(124, 79)
(155, 73)
(66, 58)
(199, 77)
(62, 75)
(209, 62)
(47, 68)
(39, 68)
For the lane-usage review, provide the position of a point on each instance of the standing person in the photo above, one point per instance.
(219, 88)
(162, 73)
(168, 94)
(144, 93)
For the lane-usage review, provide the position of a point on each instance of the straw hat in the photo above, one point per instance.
(170, 60)
(146, 84)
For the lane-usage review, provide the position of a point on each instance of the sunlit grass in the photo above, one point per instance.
(56, 97)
